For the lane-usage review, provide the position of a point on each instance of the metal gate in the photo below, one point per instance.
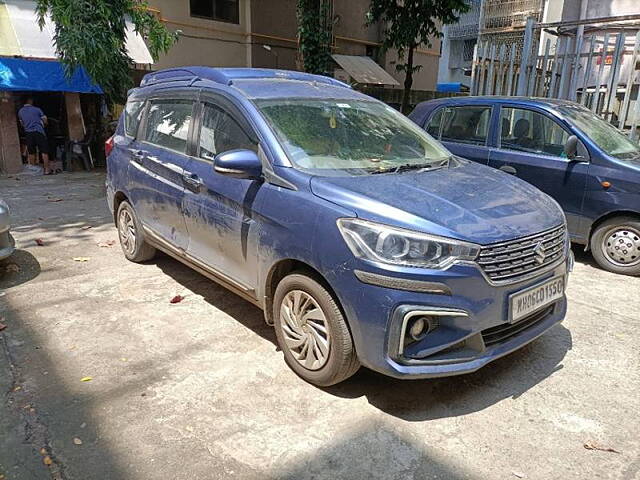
(598, 68)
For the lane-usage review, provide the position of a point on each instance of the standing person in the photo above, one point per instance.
(33, 121)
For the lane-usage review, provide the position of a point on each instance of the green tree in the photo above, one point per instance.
(92, 34)
(314, 35)
(409, 24)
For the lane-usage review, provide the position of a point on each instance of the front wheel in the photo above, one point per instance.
(312, 331)
(615, 245)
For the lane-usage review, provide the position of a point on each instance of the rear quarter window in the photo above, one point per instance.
(132, 116)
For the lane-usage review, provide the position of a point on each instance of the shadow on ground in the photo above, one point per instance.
(583, 257)
(19, 268)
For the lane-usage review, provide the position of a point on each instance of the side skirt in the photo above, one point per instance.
(223, 280)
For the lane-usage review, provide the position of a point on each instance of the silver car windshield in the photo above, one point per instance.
(355, 136)
(603, 134)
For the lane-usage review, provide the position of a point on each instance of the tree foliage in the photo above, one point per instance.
(314, 35)
(409, 24)
(92, 34)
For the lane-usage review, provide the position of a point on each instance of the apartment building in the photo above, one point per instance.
(263, 33)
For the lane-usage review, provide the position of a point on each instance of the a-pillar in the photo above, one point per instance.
(10, 158)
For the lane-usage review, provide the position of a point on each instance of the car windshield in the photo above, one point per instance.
(356, 137)
(603, 134)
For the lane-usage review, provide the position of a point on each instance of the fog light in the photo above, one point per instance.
(417, 328)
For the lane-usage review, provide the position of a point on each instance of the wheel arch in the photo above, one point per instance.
(118, 198)
(280, 270)
(609, 216)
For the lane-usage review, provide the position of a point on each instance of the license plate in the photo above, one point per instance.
(526, 302)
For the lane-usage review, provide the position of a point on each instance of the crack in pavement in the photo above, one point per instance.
(19, 399)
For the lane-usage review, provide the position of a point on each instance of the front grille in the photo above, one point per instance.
(504, 331)
(511, 261)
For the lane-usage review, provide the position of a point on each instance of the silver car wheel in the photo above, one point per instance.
(127, 231)
(305, 329)
(621, 246)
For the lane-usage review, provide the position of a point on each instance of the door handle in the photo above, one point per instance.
(138, 156)
(192, 181)
(509, 169)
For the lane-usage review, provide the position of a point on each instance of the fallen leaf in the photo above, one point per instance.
(43, 451)
(86, 379)
(177, 299)
(77, 441)
(54, 200)
(18, 388)
(12, 267)
(47, 460)
(80, 259)
(87, 227)
(594, 446)
(2, 326)
(39, 242)
(107, 244)
(83, 425)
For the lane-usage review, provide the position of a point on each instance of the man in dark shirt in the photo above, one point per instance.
(33, 121)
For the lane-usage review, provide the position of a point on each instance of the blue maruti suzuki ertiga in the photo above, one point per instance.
(362, 238)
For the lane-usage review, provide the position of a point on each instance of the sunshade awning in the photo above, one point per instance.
(22, 74)
(364, 70)
(21, 36)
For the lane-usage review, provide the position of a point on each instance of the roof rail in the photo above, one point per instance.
(226, 76)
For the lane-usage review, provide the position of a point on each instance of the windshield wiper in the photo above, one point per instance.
(412, 166)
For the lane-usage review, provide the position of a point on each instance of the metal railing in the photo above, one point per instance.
(595, 62)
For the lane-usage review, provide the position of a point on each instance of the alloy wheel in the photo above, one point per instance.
(305, 329)
(127, 231)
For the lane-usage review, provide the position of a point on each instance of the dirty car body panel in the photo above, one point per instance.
(240, 231)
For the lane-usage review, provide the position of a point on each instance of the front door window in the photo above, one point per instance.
(528, 131)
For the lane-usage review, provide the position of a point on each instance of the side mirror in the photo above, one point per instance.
(575, 150)
(571, 147)
(239, 164)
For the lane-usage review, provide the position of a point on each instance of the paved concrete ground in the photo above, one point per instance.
(198, 390)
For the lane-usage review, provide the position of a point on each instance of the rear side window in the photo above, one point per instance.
(168, 123)
(132, 116)
(433, 127)
(221, 133)
(529, 131)
(468, 124)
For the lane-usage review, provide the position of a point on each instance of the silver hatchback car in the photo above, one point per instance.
(7, 245)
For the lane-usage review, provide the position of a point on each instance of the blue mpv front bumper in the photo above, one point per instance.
(473, 328)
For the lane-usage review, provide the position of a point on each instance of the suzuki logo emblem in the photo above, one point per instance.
(540, 253)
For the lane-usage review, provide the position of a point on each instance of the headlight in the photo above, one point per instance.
(397, 246)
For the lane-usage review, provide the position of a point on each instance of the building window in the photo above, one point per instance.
(220, 10)
(467, 49)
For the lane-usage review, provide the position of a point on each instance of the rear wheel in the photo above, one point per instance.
(131, 235)
(312, 331)
(615, 245)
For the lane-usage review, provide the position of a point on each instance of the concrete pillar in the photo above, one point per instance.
(10, 159)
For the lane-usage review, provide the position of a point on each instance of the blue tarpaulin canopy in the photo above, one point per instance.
(21, 74)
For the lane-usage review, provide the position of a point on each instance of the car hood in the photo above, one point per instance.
(466, 201)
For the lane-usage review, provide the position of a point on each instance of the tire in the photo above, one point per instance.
(326, 366)
(615, 245)
(132, 240)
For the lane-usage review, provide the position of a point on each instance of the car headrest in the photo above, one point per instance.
(521, 129)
